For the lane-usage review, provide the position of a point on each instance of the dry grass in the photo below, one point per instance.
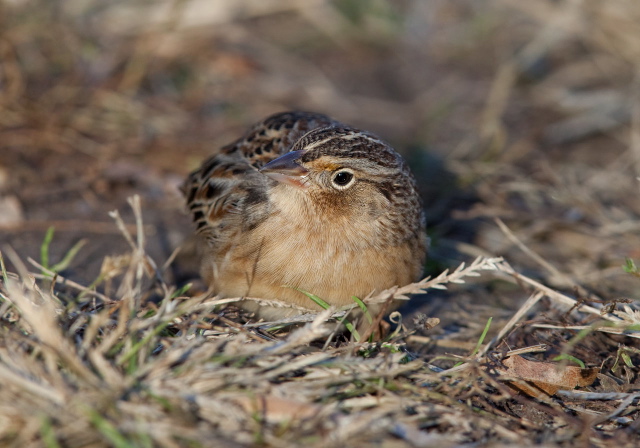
(146, 367)
(531, 107)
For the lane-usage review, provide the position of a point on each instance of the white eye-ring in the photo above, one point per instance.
(342, 179)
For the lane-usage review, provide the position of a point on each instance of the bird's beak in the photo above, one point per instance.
(286, 169)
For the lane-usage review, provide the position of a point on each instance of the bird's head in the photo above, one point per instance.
(343, 172)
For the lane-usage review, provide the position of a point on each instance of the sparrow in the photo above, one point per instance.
(303, 202)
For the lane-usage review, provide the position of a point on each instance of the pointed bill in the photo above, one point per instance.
(286, 169)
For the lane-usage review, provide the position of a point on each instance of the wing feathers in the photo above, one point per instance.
(219, 192)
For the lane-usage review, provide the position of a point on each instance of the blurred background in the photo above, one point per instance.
(523, 111)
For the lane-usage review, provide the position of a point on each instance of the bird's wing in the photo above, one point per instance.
(227, 194)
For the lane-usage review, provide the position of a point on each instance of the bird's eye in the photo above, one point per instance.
(342, 179)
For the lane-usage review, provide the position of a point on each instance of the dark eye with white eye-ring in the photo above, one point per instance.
(342, 179)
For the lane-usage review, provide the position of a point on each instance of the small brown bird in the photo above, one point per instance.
(303, 202)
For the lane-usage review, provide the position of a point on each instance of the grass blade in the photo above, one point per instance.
(364, 309)
(48, 435)
(44, 247)
(324, 305)
(318, 301)
(480, 340)
(181, 291)
(567, 357)
(482, 336)
(69, 256)
(109, 431)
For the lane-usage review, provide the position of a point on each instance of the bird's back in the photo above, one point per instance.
(227, 184)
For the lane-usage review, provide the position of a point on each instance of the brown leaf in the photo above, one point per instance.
(540, 378)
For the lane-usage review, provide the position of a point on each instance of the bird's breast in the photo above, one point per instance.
(334, 261)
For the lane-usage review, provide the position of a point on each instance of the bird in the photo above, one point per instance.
(304, 203)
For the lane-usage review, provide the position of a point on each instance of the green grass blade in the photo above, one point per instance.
(109, 431)
(363, 307)
(570, 358)
(181, 291)
(48, 435)
(480, 340)
(630, 266)
(44, 247)
(482, 336)
(136, 347)
(69, 256)
(351, 328)
(321, 303)
(325, 306)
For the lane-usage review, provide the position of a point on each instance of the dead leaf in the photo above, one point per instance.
(544, 378)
